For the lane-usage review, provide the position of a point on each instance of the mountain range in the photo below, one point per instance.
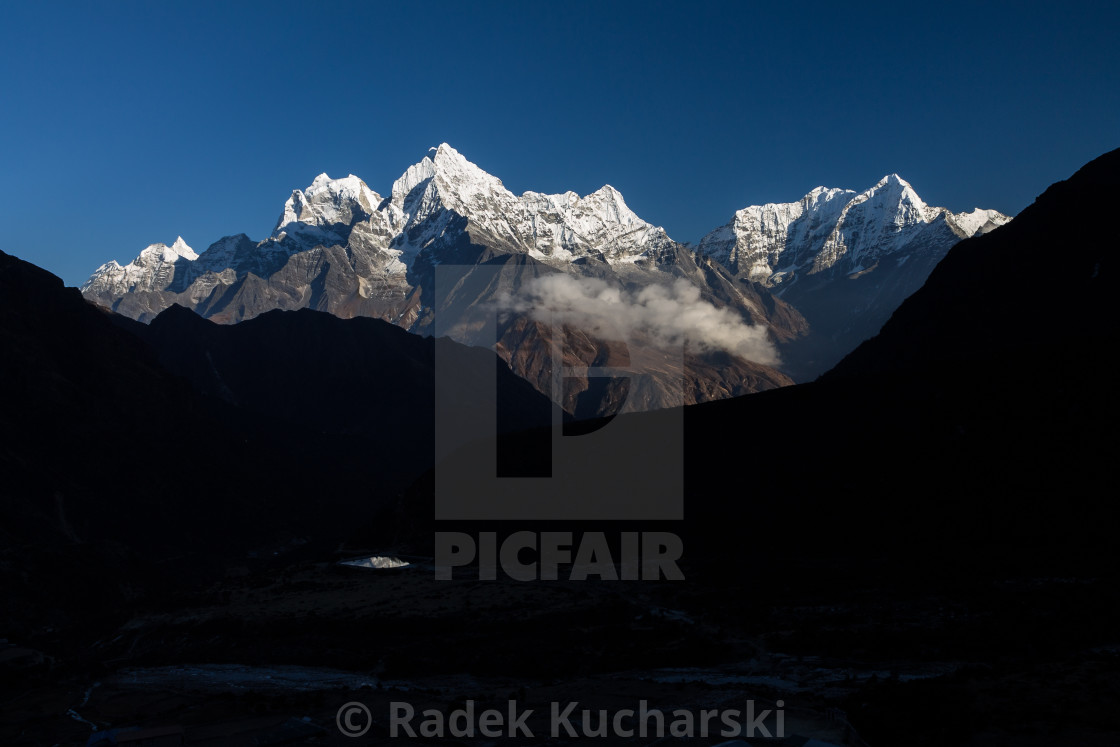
(177, 491)
(777, 295)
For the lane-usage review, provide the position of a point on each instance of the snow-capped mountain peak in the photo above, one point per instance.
(819, 194)
(609, 199)
(832, 228)
(893, 180)
(893, 196)
(416, 174)
(163, 253)
(326, 202)
(180, 248)
(980, 220)
(551, 228)
(565, 227)
(338, 245)
(464, 179)
(153, 268)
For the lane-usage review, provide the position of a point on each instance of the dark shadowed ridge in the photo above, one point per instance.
(110, 463)
(1042, 287)
(360, 376)
(983, 414)
(132, 454)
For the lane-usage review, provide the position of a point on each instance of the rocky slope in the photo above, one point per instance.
(451, 251)
(845, 260)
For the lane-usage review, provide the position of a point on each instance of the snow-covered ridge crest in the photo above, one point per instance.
(416, 174)
(390, 233)
(833, 228)
(444, 195)
(326, 202)
(979, 220)
(153, 269)
(552, 228)
(180, 248)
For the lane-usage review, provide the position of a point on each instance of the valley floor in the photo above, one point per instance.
(861, 652)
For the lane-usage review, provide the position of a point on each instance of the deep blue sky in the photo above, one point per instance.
(124, 124)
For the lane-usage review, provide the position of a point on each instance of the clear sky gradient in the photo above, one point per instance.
(123, 124)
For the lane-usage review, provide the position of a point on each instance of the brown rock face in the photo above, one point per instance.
(663, 379)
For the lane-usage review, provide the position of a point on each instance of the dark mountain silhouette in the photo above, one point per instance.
(314, 371)
(991, 301)
(124, 444)
(108, 458)
(982, 414)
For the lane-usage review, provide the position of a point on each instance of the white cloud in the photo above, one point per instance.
(669, 315)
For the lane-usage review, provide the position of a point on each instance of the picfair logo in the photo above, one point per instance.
(628, 469)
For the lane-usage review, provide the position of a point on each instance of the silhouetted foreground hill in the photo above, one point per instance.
(105, 455)
(1031, 293)
(123, 445)
(358, 377)
(984, 413)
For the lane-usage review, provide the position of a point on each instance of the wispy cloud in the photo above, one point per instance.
(669, 315)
